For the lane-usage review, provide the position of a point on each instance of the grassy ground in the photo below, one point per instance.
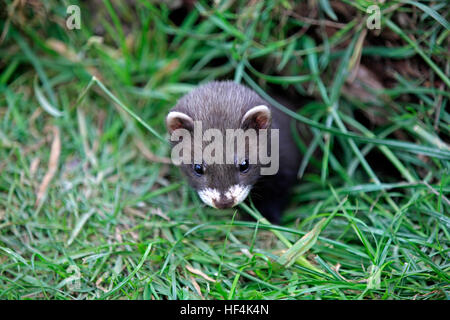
(90, 208)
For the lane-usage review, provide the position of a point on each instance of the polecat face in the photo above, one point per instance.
(221, 186)
(221, 106)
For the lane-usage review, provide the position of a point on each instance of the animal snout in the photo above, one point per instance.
(222, 199)
(223, 202)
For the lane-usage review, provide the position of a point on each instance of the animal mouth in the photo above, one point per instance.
(224, 203)
(223, 200)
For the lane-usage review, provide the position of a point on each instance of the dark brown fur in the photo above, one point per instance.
(222, 105)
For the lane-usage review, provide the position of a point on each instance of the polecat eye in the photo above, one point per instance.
(244, 166)
(198, 169)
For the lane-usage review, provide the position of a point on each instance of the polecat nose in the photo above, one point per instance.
(223, 202)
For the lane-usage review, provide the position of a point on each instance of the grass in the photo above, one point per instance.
(90, 208)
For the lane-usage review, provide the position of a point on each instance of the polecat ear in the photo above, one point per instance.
(178, 120)
(258, 117)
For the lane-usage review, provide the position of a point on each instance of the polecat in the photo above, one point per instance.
(226, 105)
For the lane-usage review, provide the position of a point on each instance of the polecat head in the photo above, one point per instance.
(220, 106)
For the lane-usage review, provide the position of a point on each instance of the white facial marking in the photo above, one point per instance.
(238, 192)
(209, 195)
